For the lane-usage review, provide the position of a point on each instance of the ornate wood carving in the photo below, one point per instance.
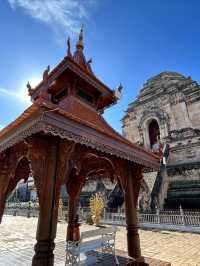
(93, 165)
(17, 152)
(89, 163)
(64, 167)
(137, 176)
(34, 126)
(22, 172)
(66, 148)
(120, 166)
(43, 154)
(4, 171)
(10, 173)
(4, 180)
(9, 161)
(57, 125)
(37, 154)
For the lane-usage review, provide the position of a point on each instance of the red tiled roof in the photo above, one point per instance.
(80, 113)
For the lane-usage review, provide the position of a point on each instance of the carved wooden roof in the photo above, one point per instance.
(81, 68)
(93, 132)
(70, 116)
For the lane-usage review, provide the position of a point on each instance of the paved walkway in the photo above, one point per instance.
(17, 234)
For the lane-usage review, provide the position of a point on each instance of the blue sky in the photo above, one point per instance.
(129, 41)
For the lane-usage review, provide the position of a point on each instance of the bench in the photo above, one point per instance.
(103, 238)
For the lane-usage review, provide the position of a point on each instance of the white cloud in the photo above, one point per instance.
(67, 13)
(22, 93)
(19, 95)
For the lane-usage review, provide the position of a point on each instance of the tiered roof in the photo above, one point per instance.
(71, 116)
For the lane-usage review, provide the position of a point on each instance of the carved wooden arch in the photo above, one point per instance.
(137, 173)
(5, 170)
(84, 164)
(13, 167)
(121, 173)
(97, 165)
(22, 172)
(12, 160)
(88, 165)
(125, 171)
(4, 179)
(17, 153)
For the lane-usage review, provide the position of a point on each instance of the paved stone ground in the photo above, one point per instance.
(17, 234)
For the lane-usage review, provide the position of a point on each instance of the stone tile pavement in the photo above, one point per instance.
(17, 236)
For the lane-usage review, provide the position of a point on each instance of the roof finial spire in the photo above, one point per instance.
(28, 85)
(118, 92)
(80, 44)
(69, 47)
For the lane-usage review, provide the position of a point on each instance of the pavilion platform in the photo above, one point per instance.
(109, 259)
(23, 257)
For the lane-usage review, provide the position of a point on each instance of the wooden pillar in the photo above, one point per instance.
(4, 191)
(43, 155)
(73, 188)
(2, 205)
(131, 193)
(5, 172)
(72, 211)
(12, 168)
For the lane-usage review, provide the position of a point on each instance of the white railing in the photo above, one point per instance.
(187, 220)
(180, 222)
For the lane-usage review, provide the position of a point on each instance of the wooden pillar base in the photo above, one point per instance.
(1, 216)
(2, 207)
(138, 263)
(70, 231)
(133, 242)
(44, 254)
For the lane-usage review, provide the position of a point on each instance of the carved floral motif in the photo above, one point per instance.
(37, 154)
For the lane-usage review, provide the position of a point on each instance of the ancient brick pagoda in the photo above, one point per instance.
(63, 139)
(168, 116)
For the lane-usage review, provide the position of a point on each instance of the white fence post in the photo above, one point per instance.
(158, 215)
(180, 219)
(104, 214)
(182, 215)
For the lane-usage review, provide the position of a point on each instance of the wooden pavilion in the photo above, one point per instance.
(62, 138)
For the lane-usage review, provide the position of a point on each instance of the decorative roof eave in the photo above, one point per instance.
(58, 125)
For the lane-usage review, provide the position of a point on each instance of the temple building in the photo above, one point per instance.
(165, 118)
